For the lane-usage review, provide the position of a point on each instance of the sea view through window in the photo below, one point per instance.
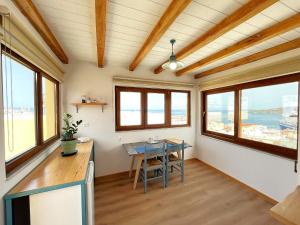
(142, 108)
(270, 114)
(261, 114)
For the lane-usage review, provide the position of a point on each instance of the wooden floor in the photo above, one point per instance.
(206, 197)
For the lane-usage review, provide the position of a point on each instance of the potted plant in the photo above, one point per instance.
(68, 142)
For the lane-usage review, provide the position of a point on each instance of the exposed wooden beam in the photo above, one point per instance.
(171, 13)
(277, 29)
(244, 13)
(30, 11)
(100, 6)
(252, 58)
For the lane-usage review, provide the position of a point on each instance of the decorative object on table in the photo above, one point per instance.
(68, 142)
(83, 139)
(83, 99)
(172, 64)
(88, 100)
(152, 141)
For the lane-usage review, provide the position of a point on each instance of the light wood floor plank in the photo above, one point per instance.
(206, 197)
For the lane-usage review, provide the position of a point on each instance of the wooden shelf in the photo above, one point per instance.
(288, 211)
(77, 105)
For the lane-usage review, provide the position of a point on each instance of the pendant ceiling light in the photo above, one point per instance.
(172, 64)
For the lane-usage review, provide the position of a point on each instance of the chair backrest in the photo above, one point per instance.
(153, 150)
(175, 147)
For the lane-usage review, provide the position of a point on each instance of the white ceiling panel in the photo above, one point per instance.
(292, 4)
(129, 22)
(225, 6)
(279, 11)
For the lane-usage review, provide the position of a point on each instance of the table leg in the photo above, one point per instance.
(131, 166)
(138, 167)
(179, 154)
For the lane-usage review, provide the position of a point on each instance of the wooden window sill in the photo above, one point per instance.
(272, 149)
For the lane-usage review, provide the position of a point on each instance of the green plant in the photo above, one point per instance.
(69, 128)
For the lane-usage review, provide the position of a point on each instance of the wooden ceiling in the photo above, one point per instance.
(211, 35)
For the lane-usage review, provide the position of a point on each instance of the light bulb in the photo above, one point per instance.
(173, 66)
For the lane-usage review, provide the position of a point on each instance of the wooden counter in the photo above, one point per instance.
(56, 171)
(288, 211)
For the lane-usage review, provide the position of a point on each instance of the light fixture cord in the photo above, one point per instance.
(11, 85)
(172, 48)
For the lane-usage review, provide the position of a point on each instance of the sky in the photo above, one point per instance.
(268, 97)
(274, 96)
(23, 84)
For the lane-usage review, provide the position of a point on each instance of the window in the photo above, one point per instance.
(30, 102)
(49, 108)
(19, 108)
(131, 109)
(261, 114)
(144, 108)
(273, 122)
(220, 113)
(180, 108)
(155, 108)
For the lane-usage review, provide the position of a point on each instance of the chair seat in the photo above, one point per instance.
(173, 158)
(153, 164)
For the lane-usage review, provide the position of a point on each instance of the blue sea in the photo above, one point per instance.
(270, 120)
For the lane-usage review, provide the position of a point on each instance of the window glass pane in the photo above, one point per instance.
(220, 113)
(179, 108)
(270, 114)
(49, 108)
(19, 107)
(155, 108)
(130, 105)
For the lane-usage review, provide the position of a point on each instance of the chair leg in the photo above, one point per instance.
(164, 175)
(182, 172)
(167, 171)
(182, 166)
(145, 181)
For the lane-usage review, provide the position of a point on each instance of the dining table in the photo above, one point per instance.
(136, 151)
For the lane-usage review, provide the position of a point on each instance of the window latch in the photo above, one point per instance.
(295, 169)
(203, 114)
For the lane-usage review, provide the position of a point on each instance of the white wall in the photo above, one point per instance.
(85, 78)
(269, 174)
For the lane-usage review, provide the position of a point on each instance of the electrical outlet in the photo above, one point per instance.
(85, 124)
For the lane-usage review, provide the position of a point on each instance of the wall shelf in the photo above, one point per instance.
(79, 104)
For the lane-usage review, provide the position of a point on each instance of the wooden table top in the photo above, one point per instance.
(57, 170)
(288, 211)
(131, 147)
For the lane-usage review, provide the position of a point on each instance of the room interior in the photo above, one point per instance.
(149, 112)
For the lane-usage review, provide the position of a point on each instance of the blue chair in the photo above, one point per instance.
(173, 161)
(154, 161)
